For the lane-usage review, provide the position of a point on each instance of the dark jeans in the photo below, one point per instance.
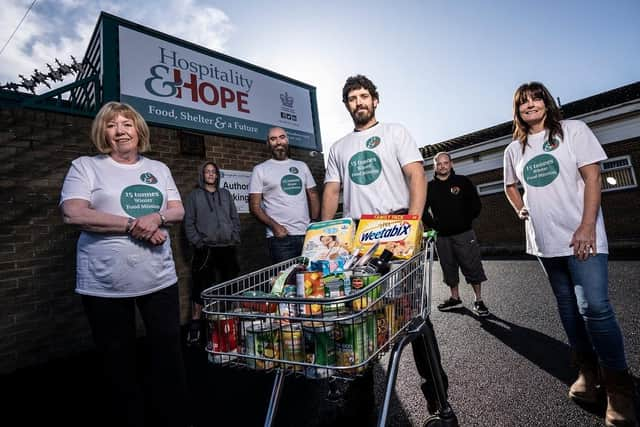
(210, 266)
(284, 248)
(113, 324)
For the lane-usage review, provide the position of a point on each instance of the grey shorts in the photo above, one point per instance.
(460, 251)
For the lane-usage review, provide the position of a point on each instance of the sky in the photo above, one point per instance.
(443, 68)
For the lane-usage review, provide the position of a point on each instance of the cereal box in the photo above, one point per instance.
(328, 240)
(401, 234)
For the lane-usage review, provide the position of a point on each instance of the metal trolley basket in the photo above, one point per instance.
(327, 337)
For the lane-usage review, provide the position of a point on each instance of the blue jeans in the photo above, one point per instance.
(284, 248)
(582, 292)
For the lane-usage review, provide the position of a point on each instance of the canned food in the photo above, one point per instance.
(222, 337)
(245, 320)
(311, 309)
(309, 283)
(319, 348)
(262, 340)
(355, 340)
(292, 345)
(288, 309)
(334, 288)
(385, 324)
(369, 298)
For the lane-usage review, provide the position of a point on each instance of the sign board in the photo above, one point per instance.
(237, 182)
(174, 85)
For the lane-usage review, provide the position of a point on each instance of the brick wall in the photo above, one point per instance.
(41, 316)
(500, 232)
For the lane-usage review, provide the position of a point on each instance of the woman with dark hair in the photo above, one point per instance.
(557, 163)
(122, 203)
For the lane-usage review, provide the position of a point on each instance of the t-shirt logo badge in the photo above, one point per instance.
(455, 190)
(148, 178)
(373, 142)
(551, 145)
(293, 169)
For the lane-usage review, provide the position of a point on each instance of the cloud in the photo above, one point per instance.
(61, 28)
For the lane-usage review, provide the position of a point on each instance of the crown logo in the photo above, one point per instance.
(287, 100)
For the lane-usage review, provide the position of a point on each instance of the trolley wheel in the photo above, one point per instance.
(437, 421)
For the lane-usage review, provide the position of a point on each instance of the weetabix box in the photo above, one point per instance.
(401, 234)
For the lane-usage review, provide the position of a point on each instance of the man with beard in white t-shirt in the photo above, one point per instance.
(378, 165)
(283, 196)
(380, 170)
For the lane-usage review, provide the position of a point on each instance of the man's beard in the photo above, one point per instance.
(360, 118)
(279, 153)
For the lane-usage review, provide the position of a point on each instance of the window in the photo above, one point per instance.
(617, 174)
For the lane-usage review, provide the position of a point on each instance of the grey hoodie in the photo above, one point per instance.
(211, 218)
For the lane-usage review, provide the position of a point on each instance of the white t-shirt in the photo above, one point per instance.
(554, 188)
(283, 185)
(369, 164)
(118, 265)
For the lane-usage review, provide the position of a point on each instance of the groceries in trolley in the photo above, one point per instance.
(326, 313)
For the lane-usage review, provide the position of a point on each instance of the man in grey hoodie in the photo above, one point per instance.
(212, 226)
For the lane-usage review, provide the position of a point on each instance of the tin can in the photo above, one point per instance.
(334, 288)
(244, 317)
(392, 323)
(222, 338)
(310, 308)
(385, 324)
(262, 340)
(355, 340)
(369, 297)
(347, 281)
(247, 339)
(292, 345)
(309, 283)
(319, 348)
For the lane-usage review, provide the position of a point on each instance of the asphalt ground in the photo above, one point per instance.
(512, 368)
(509, 369)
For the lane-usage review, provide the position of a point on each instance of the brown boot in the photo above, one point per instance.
(620, 406)
(586, 388)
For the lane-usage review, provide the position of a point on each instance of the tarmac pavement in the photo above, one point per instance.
(509, 369)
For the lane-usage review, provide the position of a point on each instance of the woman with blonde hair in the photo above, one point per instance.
(122, 203)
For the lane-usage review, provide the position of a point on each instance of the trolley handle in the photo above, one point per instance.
(429, 237)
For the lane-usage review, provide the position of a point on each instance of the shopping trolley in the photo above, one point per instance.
(330, 337)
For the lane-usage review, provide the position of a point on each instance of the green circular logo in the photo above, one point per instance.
(148, 178)
(550, 145)
(291, 184)
(139, 200)
(293, 169)
(365, 167)
(373, 142)
(541, 170)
